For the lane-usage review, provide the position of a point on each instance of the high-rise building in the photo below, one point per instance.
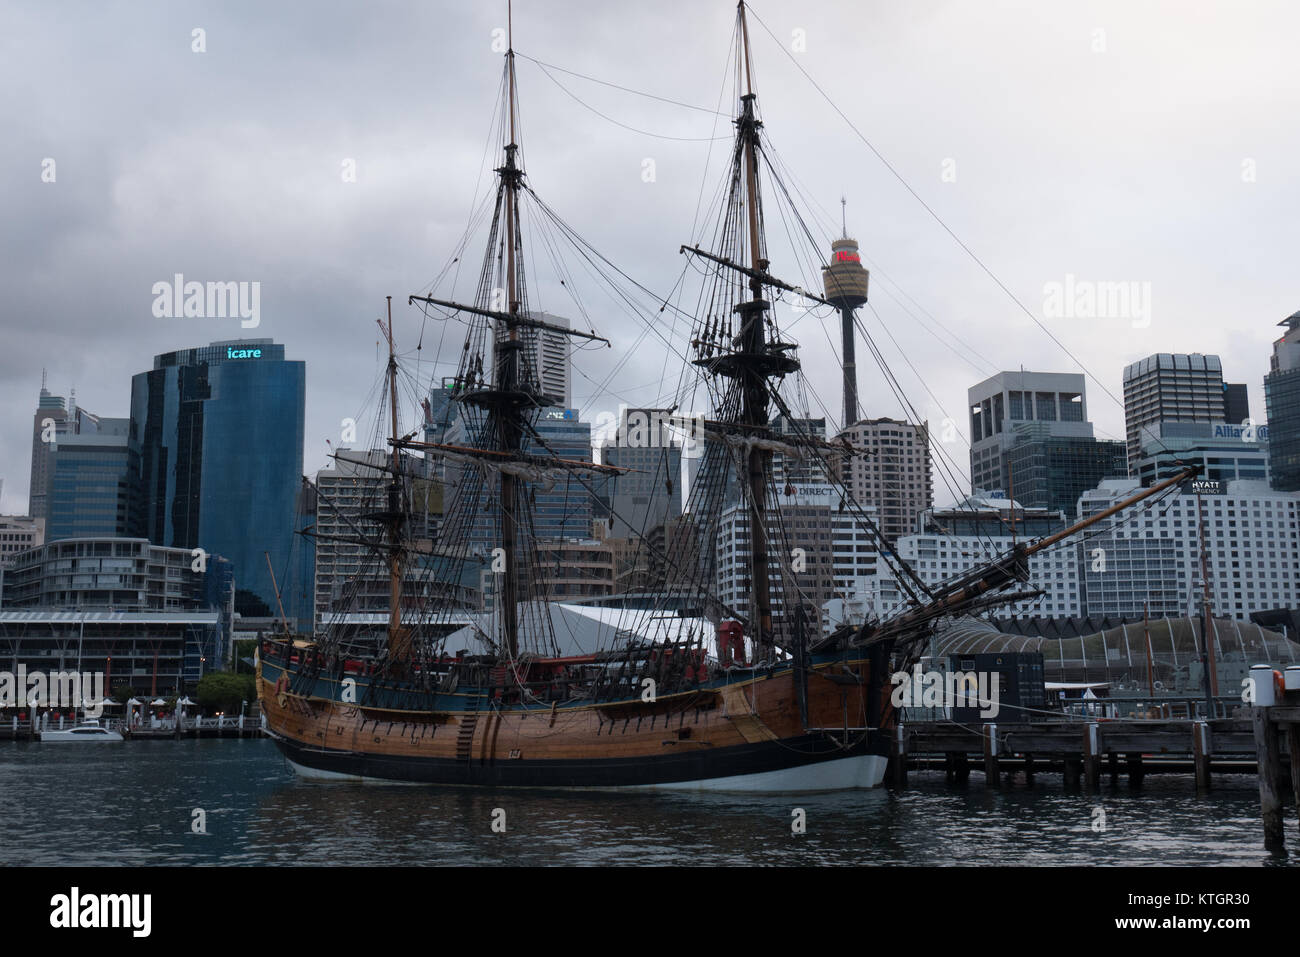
(1153, 558)
(56, 418)
(440, 410)
(831, 551)
(956, 540)
(788, 469)
(1055, 400)
(17, 534)
(650, 493)
(714, 477)
(90, 489)
(565, 511)
(1171, 387)
(889, 472)
(50, 422)
(346, 493)
(1236, 403)
(351, 577)
(1143, 558)
(218, 435)
(1282, 400)
(576, 568)
(1226, 452)
(1052, 471)
(547, 352)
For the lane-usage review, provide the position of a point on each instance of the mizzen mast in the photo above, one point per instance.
(393, 519)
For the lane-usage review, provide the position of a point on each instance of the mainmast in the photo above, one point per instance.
(512, 394)
(751, 359)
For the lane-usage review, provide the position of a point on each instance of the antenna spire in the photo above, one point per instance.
(844, 213)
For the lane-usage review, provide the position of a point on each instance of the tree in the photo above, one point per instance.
(223, 691)
(250, 605)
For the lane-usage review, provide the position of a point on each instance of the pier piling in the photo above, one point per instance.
(1270, 773)
(1092, 756)
(1133, 761)
(1201, 752)
(899, 757)
(991, 776)
(1073, 769)
(1293, 745)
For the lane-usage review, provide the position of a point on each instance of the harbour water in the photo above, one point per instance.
(136, 803)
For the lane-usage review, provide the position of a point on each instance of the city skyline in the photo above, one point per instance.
(134, 203)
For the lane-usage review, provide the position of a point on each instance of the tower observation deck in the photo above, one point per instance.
(845, 284)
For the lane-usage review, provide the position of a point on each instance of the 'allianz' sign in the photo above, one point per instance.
(1247, 433)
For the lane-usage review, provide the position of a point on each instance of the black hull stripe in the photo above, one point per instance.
(697, 764)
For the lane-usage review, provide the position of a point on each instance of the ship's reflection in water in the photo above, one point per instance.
(137, 803)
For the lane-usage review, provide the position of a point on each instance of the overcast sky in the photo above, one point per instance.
(1151, 143)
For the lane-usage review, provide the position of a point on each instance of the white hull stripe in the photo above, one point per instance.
(841, 774)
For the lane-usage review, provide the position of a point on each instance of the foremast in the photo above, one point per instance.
(509, 400)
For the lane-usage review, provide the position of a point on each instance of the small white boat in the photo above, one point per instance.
(89, 730)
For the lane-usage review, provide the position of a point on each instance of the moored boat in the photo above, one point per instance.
(89, 730)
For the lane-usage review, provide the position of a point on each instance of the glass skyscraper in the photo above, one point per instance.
(89, 484)
(1282, 398)
(217, 436)
(1052, 471)
(564, 511)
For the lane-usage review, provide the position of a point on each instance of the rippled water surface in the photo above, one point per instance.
(134, 804)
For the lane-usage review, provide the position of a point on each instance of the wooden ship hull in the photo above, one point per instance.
(742, 733)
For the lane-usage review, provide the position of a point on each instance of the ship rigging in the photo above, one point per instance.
(656, 696)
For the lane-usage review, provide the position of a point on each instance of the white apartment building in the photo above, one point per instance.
(891, 472)
(838, 551)
(1152, 554)
(1147, 554)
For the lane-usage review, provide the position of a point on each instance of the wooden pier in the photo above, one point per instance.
(1265, 741)
(1082, 750)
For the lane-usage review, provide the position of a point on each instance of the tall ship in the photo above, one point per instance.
(464, 669)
